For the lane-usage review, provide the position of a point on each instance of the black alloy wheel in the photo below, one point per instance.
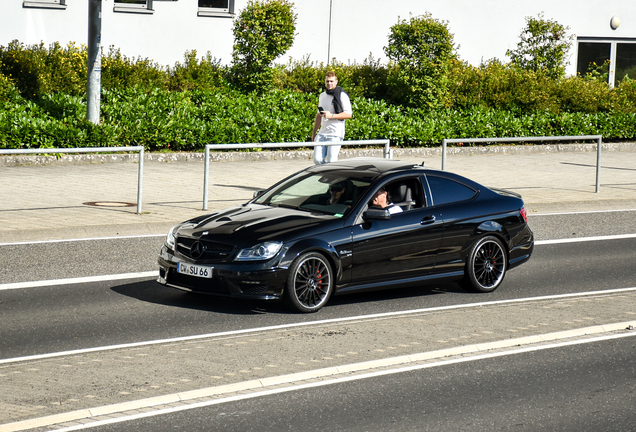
(310, 283)
(486, 266)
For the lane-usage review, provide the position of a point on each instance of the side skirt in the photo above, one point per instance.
(345, 289)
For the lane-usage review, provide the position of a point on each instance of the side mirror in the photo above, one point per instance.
(258, 193)
(376, 214)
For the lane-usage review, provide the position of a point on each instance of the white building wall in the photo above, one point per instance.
(483, 29)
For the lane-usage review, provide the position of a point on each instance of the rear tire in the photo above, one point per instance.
(486, 266)
(309, 284)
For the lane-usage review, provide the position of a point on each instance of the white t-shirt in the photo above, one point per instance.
(393, 209)
(333, 127)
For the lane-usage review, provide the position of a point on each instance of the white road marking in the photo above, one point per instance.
(83, 239)
(584, 239)
(87, 279)
(340, 380)
(580, 212)
(310, 324)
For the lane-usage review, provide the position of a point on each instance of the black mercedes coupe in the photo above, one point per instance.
(328, 230)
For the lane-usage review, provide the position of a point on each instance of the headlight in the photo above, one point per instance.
(262, 251)
(170, 240)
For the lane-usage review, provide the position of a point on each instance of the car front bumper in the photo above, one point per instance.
(247, 279)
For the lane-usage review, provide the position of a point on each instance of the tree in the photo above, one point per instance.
(263, 31)
(420, 49)
(543, 47)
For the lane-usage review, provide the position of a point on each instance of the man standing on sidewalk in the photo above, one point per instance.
(334, 107)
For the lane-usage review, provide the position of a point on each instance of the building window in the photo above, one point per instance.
(621, 54)
(625, 61)
(133, 6)
(216, 8)
(44, 4)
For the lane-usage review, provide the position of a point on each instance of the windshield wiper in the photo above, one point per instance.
(289, 206)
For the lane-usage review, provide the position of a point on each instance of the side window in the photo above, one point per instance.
(446, 191)
(216, 8)
(44, 4)
(402, 193)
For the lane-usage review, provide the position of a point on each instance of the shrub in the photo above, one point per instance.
(263, 31)
(543, 46)
(65, 70)
(420, 49)
(8, 91)
(37, 70)
(499, 86)
(366, 80)
(586, 96)
(626, 92)
(23, 67)
(120, 71)
(193, 74)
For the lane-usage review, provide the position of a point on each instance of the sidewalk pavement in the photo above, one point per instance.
(81, 198)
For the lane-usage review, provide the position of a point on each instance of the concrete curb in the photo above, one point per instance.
(252, 156)
(189, 396)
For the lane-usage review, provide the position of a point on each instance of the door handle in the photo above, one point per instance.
(428, 220)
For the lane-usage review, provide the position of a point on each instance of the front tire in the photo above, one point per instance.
(486, 266)
(309, 284)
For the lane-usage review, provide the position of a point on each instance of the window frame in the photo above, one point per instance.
(134, 8)
(45, 4)
(613, 43)
(217, 12)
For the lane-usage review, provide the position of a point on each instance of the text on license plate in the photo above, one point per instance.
(194, 270)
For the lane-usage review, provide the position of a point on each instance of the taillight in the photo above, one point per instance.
(524, 215)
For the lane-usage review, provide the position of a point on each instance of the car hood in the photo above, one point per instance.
(253, 223)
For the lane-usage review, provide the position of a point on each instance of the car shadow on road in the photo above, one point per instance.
(152, 292)
(397, 294)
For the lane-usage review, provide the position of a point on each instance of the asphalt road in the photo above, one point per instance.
(59, 318)
(546, 390)
(576, 388)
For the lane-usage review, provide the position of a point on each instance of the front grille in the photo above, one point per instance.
(203, 285)
(203, 250)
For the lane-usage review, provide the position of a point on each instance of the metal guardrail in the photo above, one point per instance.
(597, 138)
(140, 149)
(385, 142)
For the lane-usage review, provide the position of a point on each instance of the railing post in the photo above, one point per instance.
(599, 143)
(206, 171)
(444, 154)
(140, 180)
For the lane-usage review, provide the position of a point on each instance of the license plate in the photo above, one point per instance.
(194, 270)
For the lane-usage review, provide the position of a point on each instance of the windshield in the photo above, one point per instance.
(332, 193)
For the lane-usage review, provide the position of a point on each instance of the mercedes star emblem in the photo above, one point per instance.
(197, 249)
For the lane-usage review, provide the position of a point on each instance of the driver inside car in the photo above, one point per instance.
(381, 200)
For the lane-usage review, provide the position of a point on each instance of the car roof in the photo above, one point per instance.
(372, 165)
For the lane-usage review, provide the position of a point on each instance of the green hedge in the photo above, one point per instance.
(162, 120)
(182, 108)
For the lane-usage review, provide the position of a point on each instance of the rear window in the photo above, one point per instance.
(446, 191)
